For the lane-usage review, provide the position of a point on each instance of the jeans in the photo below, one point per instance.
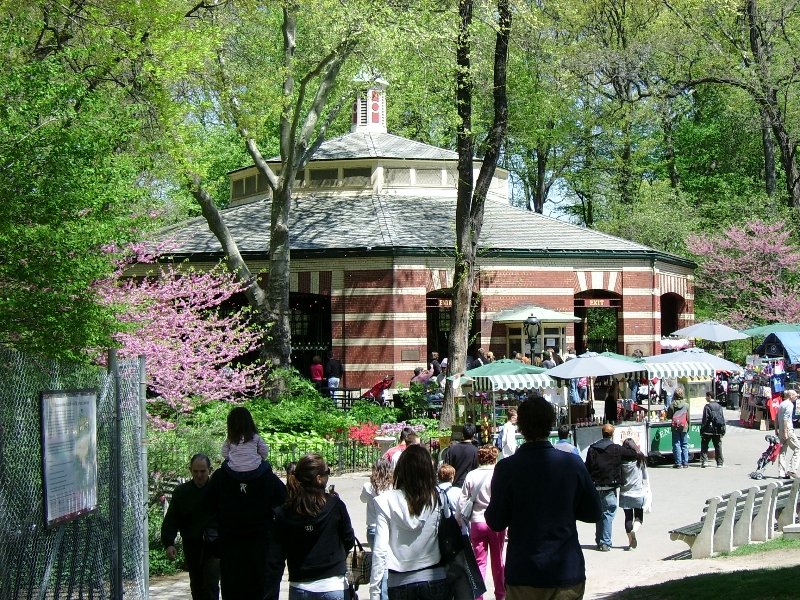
(680, 447)
(298, 594)
(717, 441)
(608, 502)
(422, 590)
(574, 396)
(485, 541)
(385, 580)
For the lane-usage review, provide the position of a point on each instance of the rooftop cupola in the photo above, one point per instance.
(369, 109)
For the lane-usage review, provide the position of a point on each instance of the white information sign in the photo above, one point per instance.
(69, 454)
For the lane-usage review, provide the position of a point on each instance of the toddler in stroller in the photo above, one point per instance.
(770, 455)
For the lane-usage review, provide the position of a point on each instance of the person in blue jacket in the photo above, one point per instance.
(543, 556)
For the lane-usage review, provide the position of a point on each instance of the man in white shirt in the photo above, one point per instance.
(784, 429)
(509, 433)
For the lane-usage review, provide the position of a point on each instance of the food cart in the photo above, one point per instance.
(491, 389)
(695, 378)
(653, 434)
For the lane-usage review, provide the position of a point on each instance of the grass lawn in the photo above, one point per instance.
(767, 581)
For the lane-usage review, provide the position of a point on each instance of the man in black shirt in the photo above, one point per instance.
(333, 371)
(463, 455)
(187, 514)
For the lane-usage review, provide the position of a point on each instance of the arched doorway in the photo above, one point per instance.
(672, 305)
(310, 323)
(598, 330)
(439, 315)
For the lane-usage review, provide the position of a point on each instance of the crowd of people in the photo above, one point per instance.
(242, 526)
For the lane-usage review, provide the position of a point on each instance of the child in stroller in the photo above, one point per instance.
(770, 455)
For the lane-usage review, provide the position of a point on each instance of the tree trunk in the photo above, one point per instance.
(471, 199)
(768, 143)
(770, 107)
(463, 277)
(669, 153)
(279, 347)
(541, 176)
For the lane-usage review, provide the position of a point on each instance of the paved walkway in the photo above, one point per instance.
(679, 497)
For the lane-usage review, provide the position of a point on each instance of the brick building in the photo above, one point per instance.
(372, 260)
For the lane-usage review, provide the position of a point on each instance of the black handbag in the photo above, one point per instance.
(449, 533)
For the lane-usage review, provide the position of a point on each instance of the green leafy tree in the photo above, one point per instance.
(71, 155)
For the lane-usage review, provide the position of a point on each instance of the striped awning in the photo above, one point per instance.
(527, 381)
(679, 369)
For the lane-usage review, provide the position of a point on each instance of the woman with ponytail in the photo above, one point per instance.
(314, 531)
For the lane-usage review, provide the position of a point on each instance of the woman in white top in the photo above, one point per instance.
(407, 523)
(477, 487)
(509, 433)
(380, 480)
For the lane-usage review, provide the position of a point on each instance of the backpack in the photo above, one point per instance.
(718, 421)
(680, 420)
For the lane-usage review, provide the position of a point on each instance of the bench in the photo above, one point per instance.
(740, 517)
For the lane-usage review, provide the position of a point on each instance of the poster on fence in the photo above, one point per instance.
(69, 454)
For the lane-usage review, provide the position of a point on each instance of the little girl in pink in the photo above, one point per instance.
(243, 449)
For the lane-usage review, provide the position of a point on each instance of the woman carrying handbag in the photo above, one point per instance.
(475, 496)
(406, 533)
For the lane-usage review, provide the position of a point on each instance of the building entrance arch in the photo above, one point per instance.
(439, 318)
(599, 313)
(672, 305)
(310, 323)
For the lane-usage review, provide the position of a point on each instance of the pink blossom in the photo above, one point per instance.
(751, 272)
(192, 346)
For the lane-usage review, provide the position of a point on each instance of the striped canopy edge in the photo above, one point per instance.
(677, 370)
(528, 381)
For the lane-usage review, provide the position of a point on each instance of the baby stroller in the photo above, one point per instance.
(770, 455)
(376, 392)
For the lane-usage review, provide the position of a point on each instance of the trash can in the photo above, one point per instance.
(734, 391)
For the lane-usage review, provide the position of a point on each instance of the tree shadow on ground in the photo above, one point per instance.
(765, 583)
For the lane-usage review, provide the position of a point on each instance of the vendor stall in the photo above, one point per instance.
(695, 378)
(497, 386)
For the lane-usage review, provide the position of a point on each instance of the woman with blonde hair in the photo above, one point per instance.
(485, 542)
(313, 530)
(407, 524)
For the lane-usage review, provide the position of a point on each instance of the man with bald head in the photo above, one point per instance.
(784, 429)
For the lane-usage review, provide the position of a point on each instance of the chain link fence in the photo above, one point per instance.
(98, 555)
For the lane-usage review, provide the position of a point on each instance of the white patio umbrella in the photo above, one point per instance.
(711, 331)
(593, 365)
(694, 355)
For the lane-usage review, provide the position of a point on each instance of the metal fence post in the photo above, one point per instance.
(116, 481)
(143, 459)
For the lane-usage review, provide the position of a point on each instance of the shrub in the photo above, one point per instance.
(366, 411)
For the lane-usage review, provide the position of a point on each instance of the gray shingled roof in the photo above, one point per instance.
(366, 144)
(333, 224)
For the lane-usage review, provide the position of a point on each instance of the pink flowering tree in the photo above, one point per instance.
(751, 273)
(175, 318)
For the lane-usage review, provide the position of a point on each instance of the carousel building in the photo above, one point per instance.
(372, 238)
